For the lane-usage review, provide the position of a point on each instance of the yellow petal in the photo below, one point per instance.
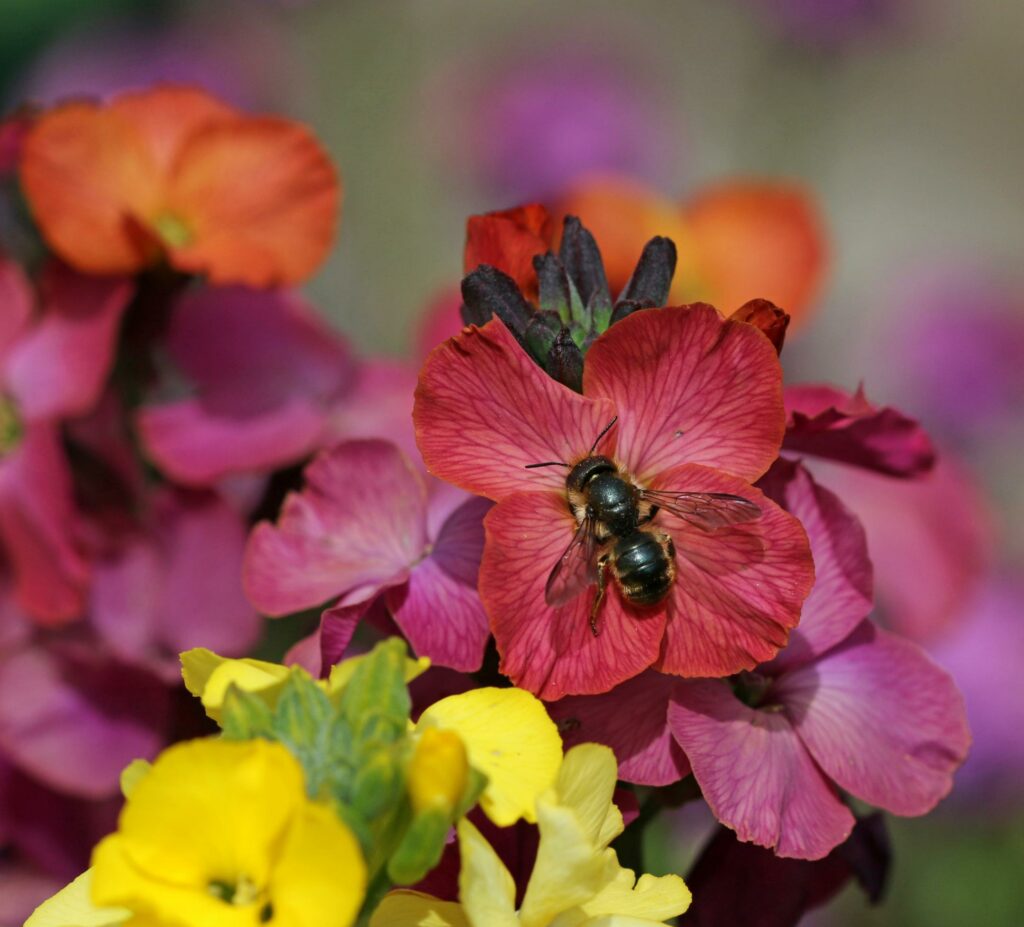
(132, 774)
(653, 898)
(413, 909)
(208, 811)
(438, 771)
(342, 672)
(320, 877)
(510, 739)
(209, 676)
(586, 782)
(72, 907)
(486, 888)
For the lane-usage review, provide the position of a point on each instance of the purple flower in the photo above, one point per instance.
(832, 22)
(266, 384)
(367, 531)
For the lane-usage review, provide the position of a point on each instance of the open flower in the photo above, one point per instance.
(576, 878)
(174, 172)
(366, 528)
(699, 409)
(222, 833)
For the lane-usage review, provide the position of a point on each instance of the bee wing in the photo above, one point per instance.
(576, 569)
(707, 511)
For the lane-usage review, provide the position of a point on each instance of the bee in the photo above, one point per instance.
(615, 533)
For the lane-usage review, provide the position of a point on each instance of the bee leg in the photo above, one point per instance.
(602, 584)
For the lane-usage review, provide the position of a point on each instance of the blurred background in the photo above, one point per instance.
(900, 119)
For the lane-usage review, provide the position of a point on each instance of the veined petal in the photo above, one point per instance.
(510, 739)
(649, 899)
(738, 590)
(585, 784)
(358, 525)
(73, 907)
(632, 719)
(486, 889)
(552, 651)
(843, 592)
(259, 198)
(689, 387)
(484, 411)
(881, 719)
(404, 908)
(508, 240)
(755, 773)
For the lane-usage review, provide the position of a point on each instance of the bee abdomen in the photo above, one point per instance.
(643, 567)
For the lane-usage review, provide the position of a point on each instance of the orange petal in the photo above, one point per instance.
(167, 115)
(508, 240)
(88, 175)
(758, 240)
(623, 215)
(253, 201)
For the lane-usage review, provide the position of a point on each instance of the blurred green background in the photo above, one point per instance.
(904, 118)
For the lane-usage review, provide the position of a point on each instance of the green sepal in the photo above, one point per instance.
(245, 716)
(378, 785)
(376, 701)
(420, 848)
(475, 785)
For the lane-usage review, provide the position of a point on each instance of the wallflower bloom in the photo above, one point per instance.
(698, 401)
(221, 833)
(367, 527)
(576, 878)
(174, 172)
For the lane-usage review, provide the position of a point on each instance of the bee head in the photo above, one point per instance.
(581, 474)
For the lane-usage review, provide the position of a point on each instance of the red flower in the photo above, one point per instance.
(173, 171)
(698, 402)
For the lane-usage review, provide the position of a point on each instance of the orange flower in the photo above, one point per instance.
(508, 240)
(174, 172)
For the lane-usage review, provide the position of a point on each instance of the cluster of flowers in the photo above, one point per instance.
(162, 391)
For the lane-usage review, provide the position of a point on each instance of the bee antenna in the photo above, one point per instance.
(547, 463)
(607, 428)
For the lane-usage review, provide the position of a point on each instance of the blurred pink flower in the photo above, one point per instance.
(267, 382)
(368, 531)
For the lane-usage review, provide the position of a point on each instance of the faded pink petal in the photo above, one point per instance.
(22, 888)
(842, 593)
(484, 410)
(125, 600)
(931, 541)
(60, 365)
(632, 719)
(880, 719)
(357, 526)
(755, 774)
(689, 387)
(439, 609)
(37, 526)
(739, 589)
(16, 300)
(828, 422)
(441, 320)
(551, 651)
(65, 720)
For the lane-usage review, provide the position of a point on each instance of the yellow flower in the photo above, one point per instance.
(221, 834)
(576, 881)
(438, 772)
(510, 738)
(72, 907)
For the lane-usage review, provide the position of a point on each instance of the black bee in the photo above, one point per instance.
(615, 532)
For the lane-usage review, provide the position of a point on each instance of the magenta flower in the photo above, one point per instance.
(53, 364)
(175, 585)
(368, 531)
(697, 406)
(268, 384)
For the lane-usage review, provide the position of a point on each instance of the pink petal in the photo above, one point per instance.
(66, 721)
(738, 590)
(843, 588)
(16, 298)
(197, 448)
(689, 388)
(632, 719)
(484, 410)
(37, 525)
(357, 526)
(441, 320)
(59, 367)
(880, 719)
(551, 651)
(338, 624)
(125, 599)
(828, 422)
(22, 889)
(931, 541)
(439, 609)
(755, 773)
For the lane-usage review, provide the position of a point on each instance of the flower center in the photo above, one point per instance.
(242, 891)
(172, 230)
(754, 690)
(11, 428)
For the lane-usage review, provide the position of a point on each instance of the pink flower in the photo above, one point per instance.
(268, 384)
(368, 531)
(697, 404)
(844, 705)
(53, 364)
